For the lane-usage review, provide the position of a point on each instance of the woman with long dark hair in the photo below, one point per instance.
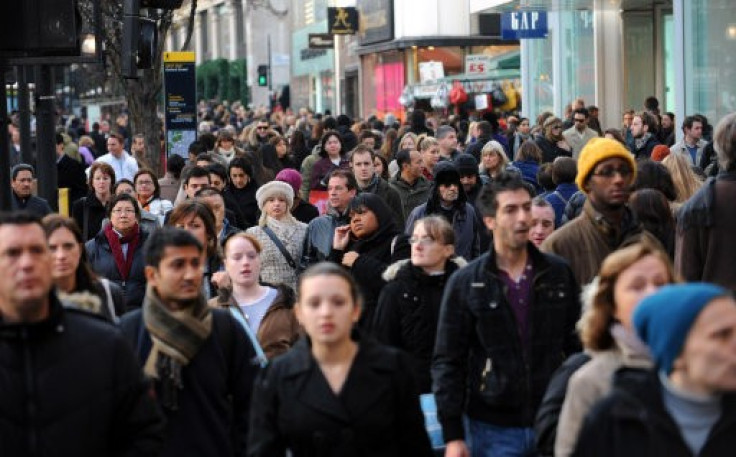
(90, 211)
(332, 157)
(75, 281)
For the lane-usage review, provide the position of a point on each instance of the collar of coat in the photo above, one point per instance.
(390, 273)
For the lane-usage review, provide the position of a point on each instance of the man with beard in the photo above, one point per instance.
(642, 140)
(199, 359)
(606, 171)
(579, 134)
(693, 144)
(361, 161)
(447, 198)
(507, 321)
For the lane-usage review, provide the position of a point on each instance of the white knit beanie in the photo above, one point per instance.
(273, 188)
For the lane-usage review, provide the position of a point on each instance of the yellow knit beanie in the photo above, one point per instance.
(598, 150)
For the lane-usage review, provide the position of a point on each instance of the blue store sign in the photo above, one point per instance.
(524, 24)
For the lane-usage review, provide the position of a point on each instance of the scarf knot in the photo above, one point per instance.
(177, 336)
(124, 263)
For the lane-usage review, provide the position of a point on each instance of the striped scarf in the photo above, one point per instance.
(177, 336)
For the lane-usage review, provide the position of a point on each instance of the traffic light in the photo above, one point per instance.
(263, 75)
(140, 39)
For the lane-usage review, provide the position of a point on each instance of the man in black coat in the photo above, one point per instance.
(70, 173)
(70, 383)
(507, 321)
(21, 197)
(200, 360)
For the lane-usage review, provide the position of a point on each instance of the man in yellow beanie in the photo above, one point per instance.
(606, 172)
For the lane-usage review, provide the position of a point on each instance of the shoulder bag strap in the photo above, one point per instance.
(110, 303)
(280, 246)
(559, 195)
(238, 315)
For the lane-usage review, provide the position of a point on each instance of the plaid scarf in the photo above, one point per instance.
(177, 336)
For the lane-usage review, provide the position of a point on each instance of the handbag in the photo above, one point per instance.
(280, 246)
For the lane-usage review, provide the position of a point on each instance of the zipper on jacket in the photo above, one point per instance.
(485, 373)
(31, 407)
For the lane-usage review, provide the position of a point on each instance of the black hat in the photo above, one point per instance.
(466, 164)
(445, 172)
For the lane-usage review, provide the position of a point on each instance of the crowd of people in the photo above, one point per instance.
(305, 285)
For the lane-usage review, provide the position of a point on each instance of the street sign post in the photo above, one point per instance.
(180, 102)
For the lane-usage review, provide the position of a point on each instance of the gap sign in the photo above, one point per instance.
(524, 24)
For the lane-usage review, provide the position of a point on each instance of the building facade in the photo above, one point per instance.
(615, 53)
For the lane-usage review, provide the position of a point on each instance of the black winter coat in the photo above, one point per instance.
(550, 151)
(72, 387)
(645, 151)
(95, 215)
(479, 360)
(377, 252)
(102, 261)
(375, 414)
(407, 313)
(214, 402)
(245, 198)
(632, 421)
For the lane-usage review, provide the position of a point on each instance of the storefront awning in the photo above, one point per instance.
(436, 41)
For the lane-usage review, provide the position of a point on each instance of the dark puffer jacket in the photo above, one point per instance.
(407, 313)
(95, 214)
(72, 387)
(633, 422)
(102, 261)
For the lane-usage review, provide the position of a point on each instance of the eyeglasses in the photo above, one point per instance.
(123, 211)
(260, 127)
(145, 183)
(557, 127)
(423, 241)
(609, 172)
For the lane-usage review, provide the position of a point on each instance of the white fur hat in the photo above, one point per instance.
(274, 188)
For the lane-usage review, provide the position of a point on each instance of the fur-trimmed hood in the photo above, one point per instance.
(83, 300)
(392, 271)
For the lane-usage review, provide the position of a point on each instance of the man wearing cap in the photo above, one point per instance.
(447, 198)
(606, 171)
(687, 406)
(472, 183)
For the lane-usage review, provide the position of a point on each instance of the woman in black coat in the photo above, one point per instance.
(90, 211)
(242, 189)
(409, 305)
(367, 247)
(333, 393)
(116, 253)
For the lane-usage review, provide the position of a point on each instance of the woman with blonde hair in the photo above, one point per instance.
(409, 141)
(493, 159)
(626, 277)
(683, 177)
(280, 234)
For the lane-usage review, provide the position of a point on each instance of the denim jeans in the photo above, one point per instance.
(487, 440)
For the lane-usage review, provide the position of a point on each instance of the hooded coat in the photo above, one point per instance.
(377, 251)
(461, 215)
